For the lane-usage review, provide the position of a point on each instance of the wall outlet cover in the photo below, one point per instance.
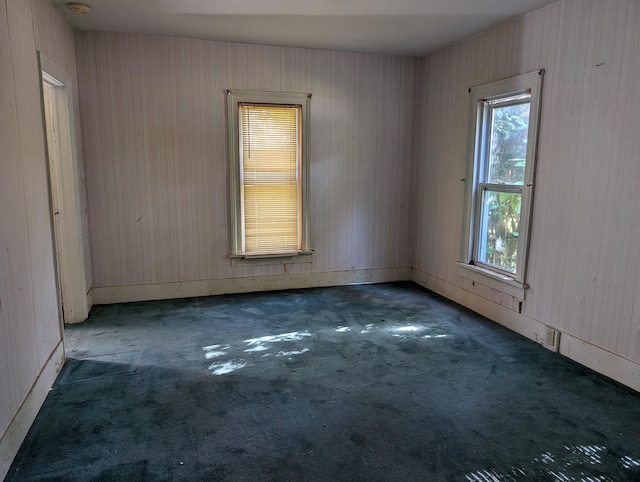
(551, 338)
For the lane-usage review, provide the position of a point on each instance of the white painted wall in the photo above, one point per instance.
(30, 332)
(155, 134)
(584, 267)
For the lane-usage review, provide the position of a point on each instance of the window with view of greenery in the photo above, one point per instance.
(500, 173)
(502, 181)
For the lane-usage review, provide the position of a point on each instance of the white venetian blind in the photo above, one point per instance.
(270, 164)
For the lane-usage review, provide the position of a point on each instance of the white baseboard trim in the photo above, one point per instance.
(188, 289)
(602, 361)
(17, 431)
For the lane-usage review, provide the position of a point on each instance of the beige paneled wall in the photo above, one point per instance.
(29, 325)
(55, 39)
(584, 265)
(155, 136)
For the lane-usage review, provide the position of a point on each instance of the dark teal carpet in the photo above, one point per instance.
(361, 383)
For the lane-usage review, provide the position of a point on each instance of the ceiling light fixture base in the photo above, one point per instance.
(80, 8)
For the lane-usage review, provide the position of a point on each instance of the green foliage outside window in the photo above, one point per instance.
(508, 154)
(502, 214)
(501, 210)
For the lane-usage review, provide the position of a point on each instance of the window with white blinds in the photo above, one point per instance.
(268, 140)
(270, 166)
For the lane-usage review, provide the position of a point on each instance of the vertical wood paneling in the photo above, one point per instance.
(29, 324)
(16, 299)
(585, 239)
(155, 134)
(54, 38)
(42, 27)
(32, 150)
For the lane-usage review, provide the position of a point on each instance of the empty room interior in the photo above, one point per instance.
(358, 240)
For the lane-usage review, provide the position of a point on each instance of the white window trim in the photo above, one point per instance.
(513, 285)
(234, 97)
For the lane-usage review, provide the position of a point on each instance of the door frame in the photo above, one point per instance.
(64, 192)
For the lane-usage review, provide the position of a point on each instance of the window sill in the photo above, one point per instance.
(242, 260)
(493, 280)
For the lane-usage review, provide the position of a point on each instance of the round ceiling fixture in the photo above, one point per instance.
(80, 8)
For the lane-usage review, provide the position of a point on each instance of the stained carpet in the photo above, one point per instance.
(359, 383)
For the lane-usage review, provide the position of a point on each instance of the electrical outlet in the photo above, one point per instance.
(551, 338)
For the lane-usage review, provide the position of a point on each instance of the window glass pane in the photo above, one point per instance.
(499, 225)
(508, 148)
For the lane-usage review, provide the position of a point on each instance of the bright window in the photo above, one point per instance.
(504, 126)
(269, 170)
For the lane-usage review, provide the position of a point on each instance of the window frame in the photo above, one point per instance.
(234, 99)
(483, 99)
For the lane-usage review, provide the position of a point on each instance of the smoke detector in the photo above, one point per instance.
(80, 8)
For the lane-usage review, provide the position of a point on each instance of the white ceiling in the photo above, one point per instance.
(401, 27)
